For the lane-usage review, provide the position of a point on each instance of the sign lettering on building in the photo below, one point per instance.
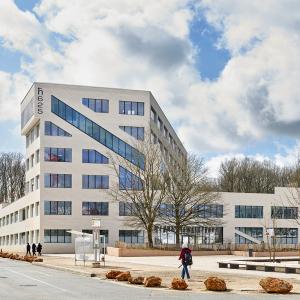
(40, 100)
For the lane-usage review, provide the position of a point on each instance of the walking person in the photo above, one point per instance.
(33, 247)
(28, 249)
(39, 249)
(186, 260)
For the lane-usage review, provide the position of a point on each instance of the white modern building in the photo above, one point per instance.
(71, 133)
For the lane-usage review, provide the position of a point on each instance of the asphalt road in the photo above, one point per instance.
(19, 280)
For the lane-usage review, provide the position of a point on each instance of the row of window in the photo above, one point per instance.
(20, 215)
(129, 181)
(163, 130)
(33, 134)
(97, 105)
(57, 207)
(95, 181)
(63, 236)
(131, 108)
(58, 154)
(282, 235)
(53, 130)
(33, 159)
(96, 132)
(32, 185)
(94, 157)
(58, 180)
(252, 212)
(65, 155)
(256, 212)
(136, 132)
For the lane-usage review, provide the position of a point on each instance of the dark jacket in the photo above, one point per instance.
(28, 247)
(39, 247)
(33, 247)
(182, 254)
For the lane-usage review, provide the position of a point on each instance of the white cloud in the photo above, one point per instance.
(146, 45)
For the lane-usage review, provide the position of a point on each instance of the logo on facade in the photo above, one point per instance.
(40, 100)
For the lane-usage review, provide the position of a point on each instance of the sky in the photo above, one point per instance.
(226, 73)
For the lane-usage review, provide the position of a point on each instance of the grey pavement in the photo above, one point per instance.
(20, 280)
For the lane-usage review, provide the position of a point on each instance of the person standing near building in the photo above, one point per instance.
(33, 247)
(28, 249)
(186, 260)
(39, 249)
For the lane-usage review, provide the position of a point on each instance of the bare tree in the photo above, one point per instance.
(188, 193)
(12, 176)
(251, 176)
(141, 185)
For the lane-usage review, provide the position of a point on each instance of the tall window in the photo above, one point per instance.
(95, 181)
(58, 180)
(96, 132)
(247, 211)
(131, 236)
(131, 108)
(27, 113)
(57, 207)
(93, 156)
(283, 212)
(53, 130)
(129, 181)
(57, 236)
(136, 132)
(58, 154)
(97, 105)
(95, 208)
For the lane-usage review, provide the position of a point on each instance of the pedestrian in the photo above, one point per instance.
(39, 249)
(33, 247)
(186, 260)
(28, 249)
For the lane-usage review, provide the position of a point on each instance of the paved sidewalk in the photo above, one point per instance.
(238, 281)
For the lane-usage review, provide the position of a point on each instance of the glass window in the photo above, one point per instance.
(53, 130)
(47, 210)
(95, 208)
(96, 132)
(122, 107)
(106, 138)
(140, 108)
(105, 106)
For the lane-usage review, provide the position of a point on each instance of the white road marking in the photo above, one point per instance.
(40, 281)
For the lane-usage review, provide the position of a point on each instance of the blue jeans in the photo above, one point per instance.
(185, 271)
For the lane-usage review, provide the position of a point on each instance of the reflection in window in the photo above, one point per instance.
(129, 181)
(57, 236)
(131, 108)
(98, 133)
(57, 207)
(58, 154)
(57, 180)
(97, 105)
(95, 181)
(95, 208)
(131, 236)
(94, 157)
(53, 130)
(136, 132)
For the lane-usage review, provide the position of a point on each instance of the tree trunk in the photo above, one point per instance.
(150, 236)
(177, 236)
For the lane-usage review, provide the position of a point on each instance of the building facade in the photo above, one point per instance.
(71, 134)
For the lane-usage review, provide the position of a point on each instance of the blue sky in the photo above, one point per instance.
(226, 72)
